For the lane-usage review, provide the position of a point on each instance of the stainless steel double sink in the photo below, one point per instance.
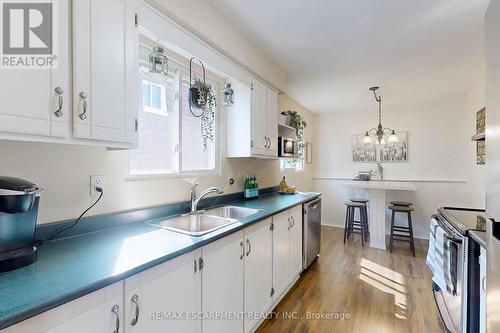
(205, 221)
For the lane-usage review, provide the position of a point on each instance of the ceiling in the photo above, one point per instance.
(334, 50)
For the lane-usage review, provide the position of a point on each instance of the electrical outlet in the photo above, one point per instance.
(96, 181)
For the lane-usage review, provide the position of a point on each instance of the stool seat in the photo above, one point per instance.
(401, 203)
(354, 204)
(402, 209)
(360, 200)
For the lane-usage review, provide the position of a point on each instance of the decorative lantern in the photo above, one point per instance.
(158, 62)
(227, 95)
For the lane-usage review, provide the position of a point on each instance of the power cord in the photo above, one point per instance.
(98, 189)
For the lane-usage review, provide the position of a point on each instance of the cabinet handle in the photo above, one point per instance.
(115, 309)
(251, 143)
(249, 247)
(289, 224)
(83, 115)
(269, 145)
(59, 91)
(195, 266)
(483, 283)
(242, 250)
(293, 221)
(135, 300)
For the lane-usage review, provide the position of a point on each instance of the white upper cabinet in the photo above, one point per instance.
(170, 288)
(253, 122)
(258, 270)
(31, 98)
(105, 85)
(272, 122)
(259, 118)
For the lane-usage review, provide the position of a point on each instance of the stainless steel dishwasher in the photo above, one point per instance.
(312, 231)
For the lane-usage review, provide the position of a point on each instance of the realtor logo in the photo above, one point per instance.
(28, 34)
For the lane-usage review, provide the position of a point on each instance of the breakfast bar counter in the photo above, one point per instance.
(378, 205)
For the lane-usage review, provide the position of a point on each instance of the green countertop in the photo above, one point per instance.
(71, 267)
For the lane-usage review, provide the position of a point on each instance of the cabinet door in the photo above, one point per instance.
(272, 121)
(222, 284)
(28, 96)
(104, 72)
(281, 252)
(295, 242)
(259, 118)
(258, 270)
(171, 289)
(100, 311)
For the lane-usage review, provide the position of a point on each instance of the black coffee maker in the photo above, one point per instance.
(19, 200)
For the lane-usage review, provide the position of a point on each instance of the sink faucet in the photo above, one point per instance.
(195, 198)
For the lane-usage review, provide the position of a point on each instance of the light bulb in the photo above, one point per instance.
(367, 138)
(393, 138)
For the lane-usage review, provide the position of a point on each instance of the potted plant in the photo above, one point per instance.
(202, 97)
(295, 120)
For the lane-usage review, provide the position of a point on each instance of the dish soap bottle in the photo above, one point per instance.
(283, 184)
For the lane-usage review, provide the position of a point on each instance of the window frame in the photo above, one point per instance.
(179, 70)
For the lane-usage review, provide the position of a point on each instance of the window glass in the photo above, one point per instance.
(158, 133)
(170, 138)
(195, 156)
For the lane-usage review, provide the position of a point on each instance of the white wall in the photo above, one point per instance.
(206, 21)
(441, 157)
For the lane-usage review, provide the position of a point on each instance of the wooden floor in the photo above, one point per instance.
(373, 290)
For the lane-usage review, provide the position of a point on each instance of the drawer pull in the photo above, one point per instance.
(135, 300)
(115, 309)
(59, 91)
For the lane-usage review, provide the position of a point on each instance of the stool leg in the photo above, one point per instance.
(346, 223)
(392, 230)
(362, 225)
(367, 229)
(410, 225)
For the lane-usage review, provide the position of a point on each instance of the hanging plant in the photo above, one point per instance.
(202, 97)
(295, 120)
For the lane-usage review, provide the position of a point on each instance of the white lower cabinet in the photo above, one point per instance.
(295, 241)
(226, 286)
(165, 298)
(100, 311)
(222, 285)
(281, 252)
(258, 279)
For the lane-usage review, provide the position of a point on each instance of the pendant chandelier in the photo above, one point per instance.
(380, 131)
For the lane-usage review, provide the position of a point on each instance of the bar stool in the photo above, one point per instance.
(401, 233)
(401, 203)
(365, 212)
(350, 227)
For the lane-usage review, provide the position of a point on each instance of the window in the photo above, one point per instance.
(154, 96)
(293, 164)
(170, 139)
